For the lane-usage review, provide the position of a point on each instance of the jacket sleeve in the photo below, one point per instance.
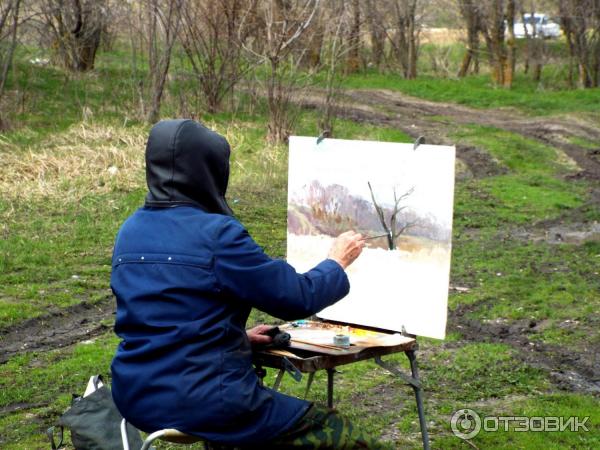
(272, 285)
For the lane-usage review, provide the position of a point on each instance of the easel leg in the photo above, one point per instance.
(311, 377)
(419, 397)
(278, 379)
(330, 373)
(261, 373)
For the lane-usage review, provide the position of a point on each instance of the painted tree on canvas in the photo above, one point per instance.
(391, 224)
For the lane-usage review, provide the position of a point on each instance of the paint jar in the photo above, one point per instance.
(341, 340)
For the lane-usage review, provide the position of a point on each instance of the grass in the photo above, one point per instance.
(553, 405)
(61, 205)
(532, 187)
(477, 91)
(584, 143)
(535, 281)
(56, 252)
(46, 382)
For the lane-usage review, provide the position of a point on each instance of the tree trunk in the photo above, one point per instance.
(315, 47)
(77, 27)
(537, 48)
(469, 14)
(6, 59)
(405, 39)
(160, 59)
(353, 63)
(581, 24)
(509, 68)
(377, 34)
(494, 32)
(528, 43)
(412, 41)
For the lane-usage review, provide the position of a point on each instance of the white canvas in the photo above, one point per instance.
(404, 289)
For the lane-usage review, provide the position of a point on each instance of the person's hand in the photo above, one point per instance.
(346, 248)
(257, 335)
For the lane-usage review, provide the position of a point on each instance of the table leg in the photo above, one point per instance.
(330, 373)
(419, 397)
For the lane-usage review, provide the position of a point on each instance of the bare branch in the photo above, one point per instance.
(392, 230)
(379, 211)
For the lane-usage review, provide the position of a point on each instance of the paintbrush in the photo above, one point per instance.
(374, 237)
(332, 347)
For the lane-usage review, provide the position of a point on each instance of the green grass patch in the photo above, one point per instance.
(43, 384)
(584, 143)
(514, 200)
(348, 129)
(562, 406)
(479, 371)
(477, 91)
(57, 253)
(515, 152)
(533, 187)
(52, 99)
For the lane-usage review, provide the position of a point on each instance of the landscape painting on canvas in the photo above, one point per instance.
(401, 194)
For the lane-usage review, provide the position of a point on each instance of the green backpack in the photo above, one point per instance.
(94, 421)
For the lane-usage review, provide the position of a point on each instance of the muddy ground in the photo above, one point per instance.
(59, 328)
(435, 121)
(572, 369)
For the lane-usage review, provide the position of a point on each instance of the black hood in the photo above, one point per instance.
(187, 164)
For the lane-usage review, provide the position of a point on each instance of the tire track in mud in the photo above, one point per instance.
(436, 121)
(57, 329)
(570, 369)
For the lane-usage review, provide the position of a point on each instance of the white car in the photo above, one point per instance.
(541, 23)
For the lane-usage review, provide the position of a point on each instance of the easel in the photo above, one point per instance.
(301, 358)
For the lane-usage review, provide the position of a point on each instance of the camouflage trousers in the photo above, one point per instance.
(319, 428)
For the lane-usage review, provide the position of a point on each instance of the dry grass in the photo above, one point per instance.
(442, 36)
(87, 158)
(94, 158)
(253, 161)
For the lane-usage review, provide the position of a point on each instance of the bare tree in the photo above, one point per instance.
(405, 39)
(335, 47)
(209, 34)
(163, 22)
(376, 32)
(353, 62)
(511, 58)
(75, 27)
(284, 22)
(471, 13)
(581, 24)
(9, 21)
(390, 225)
(314, 40)
(535, 47)
(496, 14)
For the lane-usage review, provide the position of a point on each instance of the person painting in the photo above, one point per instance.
(186, 275)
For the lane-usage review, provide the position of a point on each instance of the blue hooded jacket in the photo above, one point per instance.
(186, 274)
